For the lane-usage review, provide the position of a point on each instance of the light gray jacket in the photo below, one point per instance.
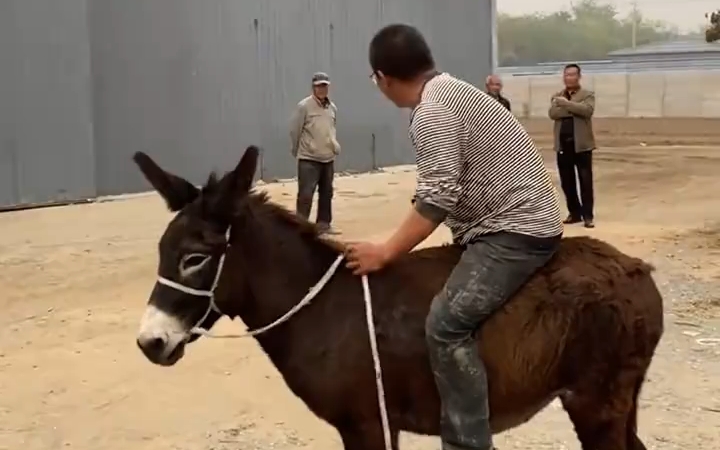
(312, 130)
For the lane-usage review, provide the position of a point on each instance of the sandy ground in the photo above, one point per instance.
(75, 281)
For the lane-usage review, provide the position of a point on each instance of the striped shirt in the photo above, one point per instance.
(478, 170)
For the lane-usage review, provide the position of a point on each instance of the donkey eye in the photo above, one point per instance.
(192, 263)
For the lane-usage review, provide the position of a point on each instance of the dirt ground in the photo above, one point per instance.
(75, 281)
(616, 132)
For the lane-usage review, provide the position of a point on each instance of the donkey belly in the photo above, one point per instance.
(421, 414)
(505, 418)
(515, 395)
(522, 372)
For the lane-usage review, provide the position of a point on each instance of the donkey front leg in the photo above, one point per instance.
(366, 437)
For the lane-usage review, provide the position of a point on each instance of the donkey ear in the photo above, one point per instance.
(176, 191)
(234, 185)
(244, 172)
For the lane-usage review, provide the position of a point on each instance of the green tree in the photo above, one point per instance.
(588, 30)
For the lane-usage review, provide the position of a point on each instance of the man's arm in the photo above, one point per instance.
(584, 108)
(556, 112)
(297, 122)
(437, 135)
(336, 144)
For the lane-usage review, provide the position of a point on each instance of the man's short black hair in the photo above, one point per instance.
(400, 51)
(573, 66)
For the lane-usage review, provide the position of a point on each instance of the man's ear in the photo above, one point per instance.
(235, 184)
(176, 191)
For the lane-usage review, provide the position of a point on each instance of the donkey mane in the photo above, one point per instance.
(262, 208)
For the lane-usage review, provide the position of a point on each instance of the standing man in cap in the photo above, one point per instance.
(314, 144)
(493, 87)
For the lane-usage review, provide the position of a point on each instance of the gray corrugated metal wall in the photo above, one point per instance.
(193, 83)
(46, 150)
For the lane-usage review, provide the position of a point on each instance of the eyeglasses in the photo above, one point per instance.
(374, 78)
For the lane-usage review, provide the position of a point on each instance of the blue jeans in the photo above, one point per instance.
(489, 272)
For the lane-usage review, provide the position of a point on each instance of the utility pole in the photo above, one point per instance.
(634, 15)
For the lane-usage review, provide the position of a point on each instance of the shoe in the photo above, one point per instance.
(446, 446)
(572, 219)
(589, 223)
(325, 228)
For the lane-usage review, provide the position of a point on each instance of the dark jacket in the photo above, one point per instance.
(581, 109)
(503, 101)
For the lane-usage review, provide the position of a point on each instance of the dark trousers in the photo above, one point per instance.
(489, 272)
(569, 163)
(314, 175)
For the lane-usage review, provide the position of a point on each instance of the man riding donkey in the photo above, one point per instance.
(480, 173)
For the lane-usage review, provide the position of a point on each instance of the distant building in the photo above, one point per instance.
(660, 56)
(695, 50)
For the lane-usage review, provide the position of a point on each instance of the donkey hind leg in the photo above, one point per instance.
(606, 418)
(366, 437)
(600, 422)
(633, 441)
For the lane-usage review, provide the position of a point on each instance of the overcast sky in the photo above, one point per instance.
(686, 14)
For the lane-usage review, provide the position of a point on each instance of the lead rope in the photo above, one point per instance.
(312, 293)
(376, 361)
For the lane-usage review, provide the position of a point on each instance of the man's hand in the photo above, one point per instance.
(366, 257)
(560, 101)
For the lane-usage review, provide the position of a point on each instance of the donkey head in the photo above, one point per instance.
(191, 250)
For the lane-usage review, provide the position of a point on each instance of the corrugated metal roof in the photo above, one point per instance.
(695, 46)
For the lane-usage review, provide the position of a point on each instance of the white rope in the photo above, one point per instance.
(376, 362)
(312, 293)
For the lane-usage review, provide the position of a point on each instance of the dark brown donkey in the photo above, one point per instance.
(583, 329)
